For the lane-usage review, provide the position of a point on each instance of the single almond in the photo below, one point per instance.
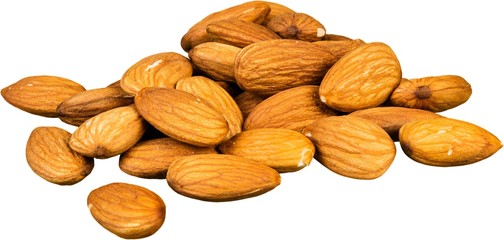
(295, 25)
(275, 10)
(340, 48)
(239, 33)
(50, 157)
(215, 60)
(220, 177)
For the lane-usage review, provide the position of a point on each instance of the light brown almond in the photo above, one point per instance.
(247, 101)
(275, 10)
(335, 37)
(239, 33)
(340, 48)
(215, 60)
(296, 25)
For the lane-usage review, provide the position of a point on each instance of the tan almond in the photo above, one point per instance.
(282, 149)
(295, 25)
(436, 93)
(215, 60)
(362, 78)
(293, 109)
(50, 157)
(447, 142)
(84, 105)
(40, 95)
(182, 116)
(253, 11)
(109, 133)
(271, 66)
(152, 158)
(158, 70)
(352, 146)
(275, 10)
(239, 33)
(340, 48)
(220, 177)
(127, 210)
(391, 119)
(247, 101)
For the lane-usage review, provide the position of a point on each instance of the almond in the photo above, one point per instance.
(220, 177)
(109, 133)
(271, 66)
(363, 78)
(335, 37)
(275, 10)
(50, 157)
(296, 25)
(40, 95)
(253, 11)
(352, 146)
(152, 158)
(239, 33)
(215, 60)
(158, 70)
(247, 101)
(391, 119)
(447, 142)
(293, 109)
(182, 116)
(437, 93)
(340, 48)
(126, 210)
(282, 149)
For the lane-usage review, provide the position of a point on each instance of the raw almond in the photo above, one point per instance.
(437, 93)
(271, 66)
(109, 133)
(239, 33)
(126, 210)
(335, 37)
(220, 177)
(50, 157)
(447, 142)
(152, 158)
(282, 149)
(340, 48)
(295, 25)
(293, 109)
(158, 70)
(352, 146)
(182, 116)
(247, 101)
(363, 78)
(215, 60)
(275, 10)
(253, 11)
(40, 95)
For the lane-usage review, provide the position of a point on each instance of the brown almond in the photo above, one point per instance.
(158, 70)
(40, 95)
(152, 158)
(447, 142)
(275, 10)
(215, 60)
(282, 149)
(182, 116)
(436, 93)
(109, 133)
(126, 210)
(293, 109)
(220, 177)
(239, 33)
(295, 25)
(363, 78)
(247, 101)
(335, 37)
(340, 48)
(352, 146)
(271, 66)
(253, 11)
(50, 157)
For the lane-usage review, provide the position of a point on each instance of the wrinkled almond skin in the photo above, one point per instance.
(247, 101)
(126, 210)
(437, 93)
(391, 119)
(362, 78)
(50, 157)
(271, 66)
(340, 48)
(293, 109)
(89, 103)
(40, 95)
(217, 97)
(447, 142)
(275, 10)
(253, 11)
(239, 33)
(158, 70)
(182, 116)
(352, 146)
(109, 133)
(152, 158)
(215, 60)
(299, 26)
(220, 177)
(282, 149)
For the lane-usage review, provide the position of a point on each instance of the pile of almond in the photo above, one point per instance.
(263, 90)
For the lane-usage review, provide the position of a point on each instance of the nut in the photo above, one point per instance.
(239, 33)
(216, 60)
(299, 26)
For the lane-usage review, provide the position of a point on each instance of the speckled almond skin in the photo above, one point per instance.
(447, 142)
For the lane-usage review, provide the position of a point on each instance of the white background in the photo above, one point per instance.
(94, 42)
